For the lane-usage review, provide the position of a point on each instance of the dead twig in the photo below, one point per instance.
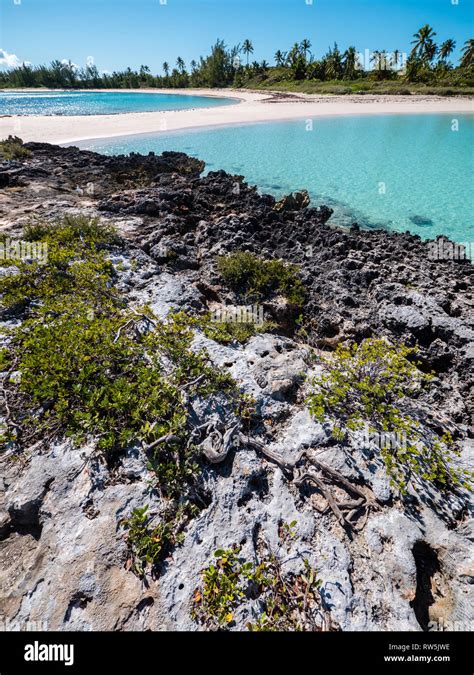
(312, 478)
(366, 499)
(168, 438)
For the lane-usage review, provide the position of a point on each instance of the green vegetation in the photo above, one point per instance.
(92, 365)
(226, 332)
(254, 278)
(286, 600)
(147, 543)
(95, 370)
(222, 589)
(427, 69)
(13, 148)
(397, 87)
(246, 408)
(369, 384)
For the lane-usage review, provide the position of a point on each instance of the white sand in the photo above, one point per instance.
(253, 107)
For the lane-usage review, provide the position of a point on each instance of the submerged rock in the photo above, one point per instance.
(421, 221)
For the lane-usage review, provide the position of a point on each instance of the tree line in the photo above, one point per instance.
(427, 62)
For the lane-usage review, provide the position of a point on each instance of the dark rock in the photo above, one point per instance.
(421, 221)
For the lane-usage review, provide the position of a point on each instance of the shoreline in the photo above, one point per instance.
(252, 107)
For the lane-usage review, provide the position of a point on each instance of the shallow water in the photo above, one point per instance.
(401, 172)
(99, 103)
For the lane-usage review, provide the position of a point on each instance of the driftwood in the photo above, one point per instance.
(134, 322)
(168, 438)
(216, 446)
(8, 416)
(344, 511)
(312, 478)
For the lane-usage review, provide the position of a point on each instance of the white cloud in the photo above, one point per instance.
(67, 62)
(9, 60)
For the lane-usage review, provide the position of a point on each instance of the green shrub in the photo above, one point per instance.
(73, 230)
(222, 590)
(226, 332)
(368, 384)
(77, 266)
(286, 600)
(13, 148)
(90, 367)
(255, 279)
(147, 544)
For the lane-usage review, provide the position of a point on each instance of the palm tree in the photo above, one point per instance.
(280, 58)
(351, 63)
(377, 59)
(333, 61)
(422, 40)
(264, 66)
(386, 61)
(294, 53)
(396, 57)
(181, 65)
(193, 65)
(144, 70)
(430, 51)
(446, 49)
(381, 59)
(305, 47)
(467, 54)
(247, 48)
(166, 68)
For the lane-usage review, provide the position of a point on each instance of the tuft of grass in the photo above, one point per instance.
(13, 148)
(255, 278)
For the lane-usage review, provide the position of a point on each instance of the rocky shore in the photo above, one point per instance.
(397, 562)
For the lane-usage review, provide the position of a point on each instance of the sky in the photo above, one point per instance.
(115, 34)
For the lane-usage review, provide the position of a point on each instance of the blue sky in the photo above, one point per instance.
(119, 33)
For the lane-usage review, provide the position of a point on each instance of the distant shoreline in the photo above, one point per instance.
(253, 107)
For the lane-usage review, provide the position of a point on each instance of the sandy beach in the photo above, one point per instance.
(252, 107)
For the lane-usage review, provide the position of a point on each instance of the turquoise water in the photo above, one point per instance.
(99, 103)
(402, 172)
